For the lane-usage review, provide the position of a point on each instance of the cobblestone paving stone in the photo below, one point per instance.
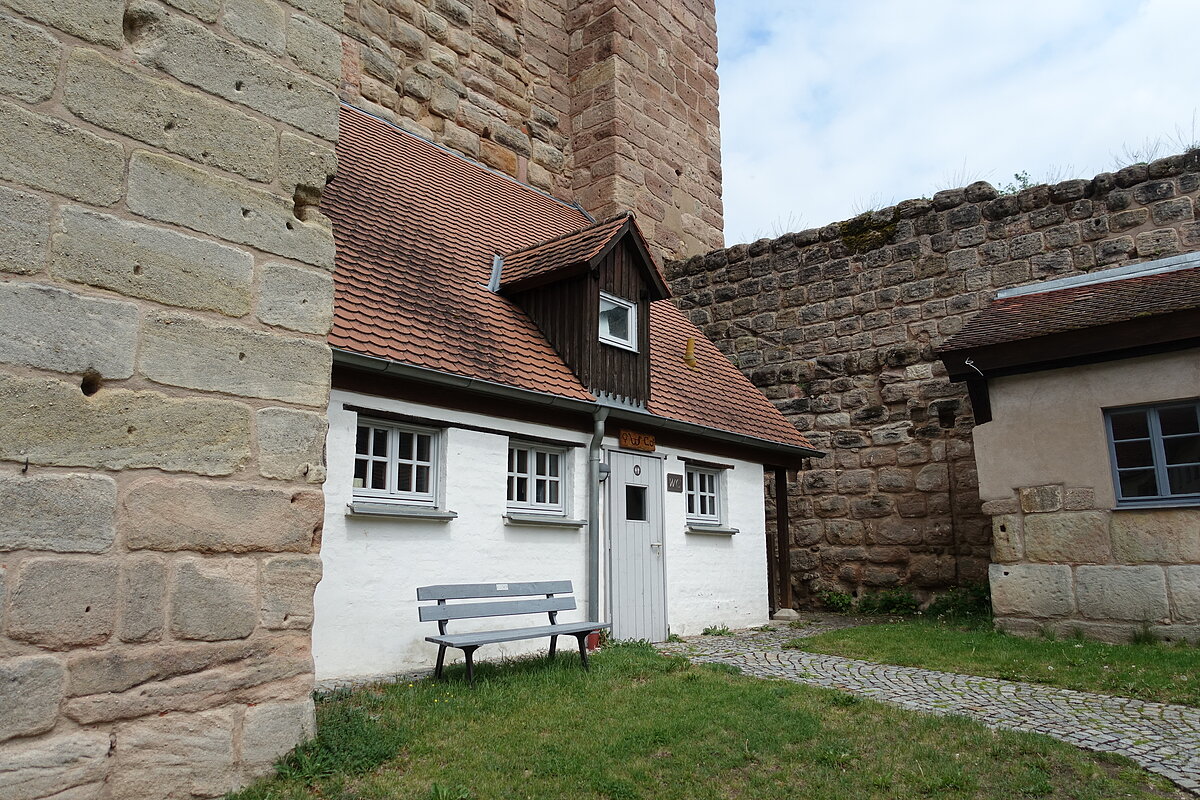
(1162, 738)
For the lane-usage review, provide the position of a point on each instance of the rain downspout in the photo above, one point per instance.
(594, 453)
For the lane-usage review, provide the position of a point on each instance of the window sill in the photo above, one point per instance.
(542, 520)
(360, 508)
(710, 530)
(1182, 502)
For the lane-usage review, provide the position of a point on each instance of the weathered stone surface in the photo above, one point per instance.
(1073, 537)
(206, 10)
(296, 298)
(315, 47)
(95, 20)
(66, 332)
(51, 422)
(271, 730)
(1184, 581)
(42, 768)
(198, 57)
(31, 689)
(1160, 535)
(1007, 547)
(153, 263)
(1080, 499)
(257, 22)
(63, 602)
(156, 112)
(180, 350)
(28, 61)
(329, 11)
(47, 153)
(24, 232)
(304, 162)
(1031, 590)
(287, 591)
(61, 513)
(210, 517)
(214, 599)
(143, 598)
(291, 444)
(1138, 594)
(173, 191)
(114, 671)
(175, 756)
(1041, 499)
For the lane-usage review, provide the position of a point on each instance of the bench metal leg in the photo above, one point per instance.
(582, 637)
(553, 645)
(469, 652)
(441, 661)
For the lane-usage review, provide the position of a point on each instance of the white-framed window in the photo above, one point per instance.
(397, 463)
(1155, 452)
(618, 322)
(702, 489)
(537, 478)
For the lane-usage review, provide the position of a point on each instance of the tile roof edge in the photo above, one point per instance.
(1141, 269)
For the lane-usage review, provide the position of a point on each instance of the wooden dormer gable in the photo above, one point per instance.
(562, 284)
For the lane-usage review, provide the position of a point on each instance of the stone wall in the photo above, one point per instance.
(165, 287)
(839, 326)
(610, 103)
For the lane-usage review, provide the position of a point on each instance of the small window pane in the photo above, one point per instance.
(361, 441)
(522, 490)
(1178, 419)
(422, 447)
(541, 462)
(378, 475)
(522, 461)
(1184, 480)
(691, 502)
(635, 503)
(406, 445)
(554, 493)
(1182, 450)
(422, 480)
(404, 477)
(1138, 483)
(614, 321)
(1134, 454)
(380, 446)
(553, 465)
(361, 465)
(1130, 425)
(539, 491)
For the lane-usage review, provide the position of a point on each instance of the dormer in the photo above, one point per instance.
(589, 292)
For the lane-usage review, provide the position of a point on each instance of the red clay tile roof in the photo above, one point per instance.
(416, 228)
(1120, 299)
(546, 258)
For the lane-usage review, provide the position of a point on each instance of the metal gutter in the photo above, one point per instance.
(593, 523)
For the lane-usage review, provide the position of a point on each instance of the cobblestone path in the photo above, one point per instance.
(1162, 738)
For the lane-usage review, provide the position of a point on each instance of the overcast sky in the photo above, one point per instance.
(833, 107)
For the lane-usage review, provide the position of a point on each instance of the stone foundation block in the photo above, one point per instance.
(295, 298)
(30, 61)
(175, 756)
(1073, 537)
(31, 690)
(1177, 633)
(1160, 535)
(1079, 499)
(95, 20)
(931, 571)
(65, 332)
(63, 602)
(143, 598)
(60, 513)
(1006, 538)
(45, 768)
(117, 670)
(1041, 499)
(271, 730)
(291, 444)
(1185, 593)
(1031, 590)
(165, 514)
(214, 599)
(1111, 632)
(47, 153)
(24, 232)
(1138, 594)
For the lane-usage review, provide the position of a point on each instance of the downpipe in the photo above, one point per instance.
(594, 460)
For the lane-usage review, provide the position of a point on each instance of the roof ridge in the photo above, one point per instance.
(564, 236)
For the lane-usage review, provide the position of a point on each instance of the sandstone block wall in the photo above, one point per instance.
(165, 287)
(610, 103)
(839, 326)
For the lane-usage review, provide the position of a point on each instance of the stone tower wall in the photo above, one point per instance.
(165, 289)
(839, 326)
(609, 103)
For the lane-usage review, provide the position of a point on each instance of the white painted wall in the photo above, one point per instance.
(366, 609)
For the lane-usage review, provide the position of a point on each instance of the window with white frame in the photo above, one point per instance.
(536, 478)
(395, 463)
(618, 322)
(1156, 452)
(703, 492)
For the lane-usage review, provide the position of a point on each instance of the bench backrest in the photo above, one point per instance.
(547, 603)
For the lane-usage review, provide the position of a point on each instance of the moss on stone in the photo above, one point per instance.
(864, 233)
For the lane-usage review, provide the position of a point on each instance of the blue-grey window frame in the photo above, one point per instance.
(1156, 449)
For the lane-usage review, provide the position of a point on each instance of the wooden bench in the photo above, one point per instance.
(551, 597)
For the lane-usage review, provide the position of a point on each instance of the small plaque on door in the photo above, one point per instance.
(633, 440)
(674, 482)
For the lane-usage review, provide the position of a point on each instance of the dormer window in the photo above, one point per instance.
(618, 322)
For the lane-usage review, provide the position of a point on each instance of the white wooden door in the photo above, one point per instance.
(637, 585)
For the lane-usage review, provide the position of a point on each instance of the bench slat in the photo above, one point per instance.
(464, 591)
(499, 609)
(514, 634)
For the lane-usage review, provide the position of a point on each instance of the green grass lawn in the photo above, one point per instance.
(1164, 673)
(643, 725)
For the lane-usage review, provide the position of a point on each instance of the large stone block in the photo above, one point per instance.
(1073, 537)
(24, 232)
(28, 61)
(329, 11)
(61, 513)
(258, 22)
(31, 690)
(291, 444)
(45, 768)
(271, 730)
(179, 350)
(197, 56)
(1160, 535)
(153, 263)
(304, 162)
(214, 599)
(1185, 592)
(1122, 593)
(54, 423)
(287, 591)
(94, 20)
(206, 10)
(63, 602)
(296, 298)
(159, 113)
(175, 756)
(118, 670)
(143, 598)
(315, 47)
(1031, 590)
(1041, 499)
(174, 191)
(47, 153)
(1006, 538)
(208, 517)
(66, 332)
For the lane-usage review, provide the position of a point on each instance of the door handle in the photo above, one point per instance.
(656, 544)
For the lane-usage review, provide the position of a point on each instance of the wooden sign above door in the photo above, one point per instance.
(631, 440)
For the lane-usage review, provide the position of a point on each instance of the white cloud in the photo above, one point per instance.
(828, 109)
